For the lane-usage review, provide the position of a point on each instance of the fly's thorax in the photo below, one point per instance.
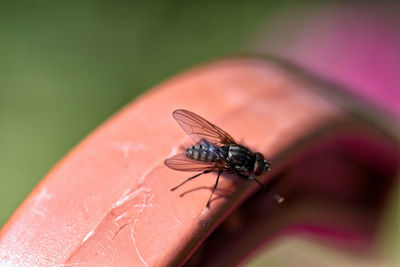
(202, 152)
(241, 158)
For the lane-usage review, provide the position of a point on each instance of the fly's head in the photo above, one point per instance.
(260, 164)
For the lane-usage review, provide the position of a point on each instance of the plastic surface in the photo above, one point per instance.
(108, 202)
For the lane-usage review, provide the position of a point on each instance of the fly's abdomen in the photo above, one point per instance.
(202, 152)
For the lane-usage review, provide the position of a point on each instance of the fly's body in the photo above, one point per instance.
(237, 158)
(215, 150)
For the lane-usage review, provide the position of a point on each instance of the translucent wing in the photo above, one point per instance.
(198, 128)
(180, 162)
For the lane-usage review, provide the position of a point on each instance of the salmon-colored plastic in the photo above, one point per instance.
(108, 202)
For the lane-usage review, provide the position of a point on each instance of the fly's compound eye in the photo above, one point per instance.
(259, 164)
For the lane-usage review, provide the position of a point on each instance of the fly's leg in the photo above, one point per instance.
(251, 177)
(263, 186)
(277, 197)
(215, 186)
(190, 178)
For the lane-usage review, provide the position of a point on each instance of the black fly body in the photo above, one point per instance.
(215, 151)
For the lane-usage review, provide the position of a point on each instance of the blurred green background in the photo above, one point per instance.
(66, 66)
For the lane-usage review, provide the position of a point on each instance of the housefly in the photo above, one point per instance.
(215, 151)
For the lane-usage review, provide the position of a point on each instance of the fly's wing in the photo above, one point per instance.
(181, 162)
(198, 128)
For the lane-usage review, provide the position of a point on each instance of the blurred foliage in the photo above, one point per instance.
(66, 66)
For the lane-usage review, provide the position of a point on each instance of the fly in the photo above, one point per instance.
(215, 151)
